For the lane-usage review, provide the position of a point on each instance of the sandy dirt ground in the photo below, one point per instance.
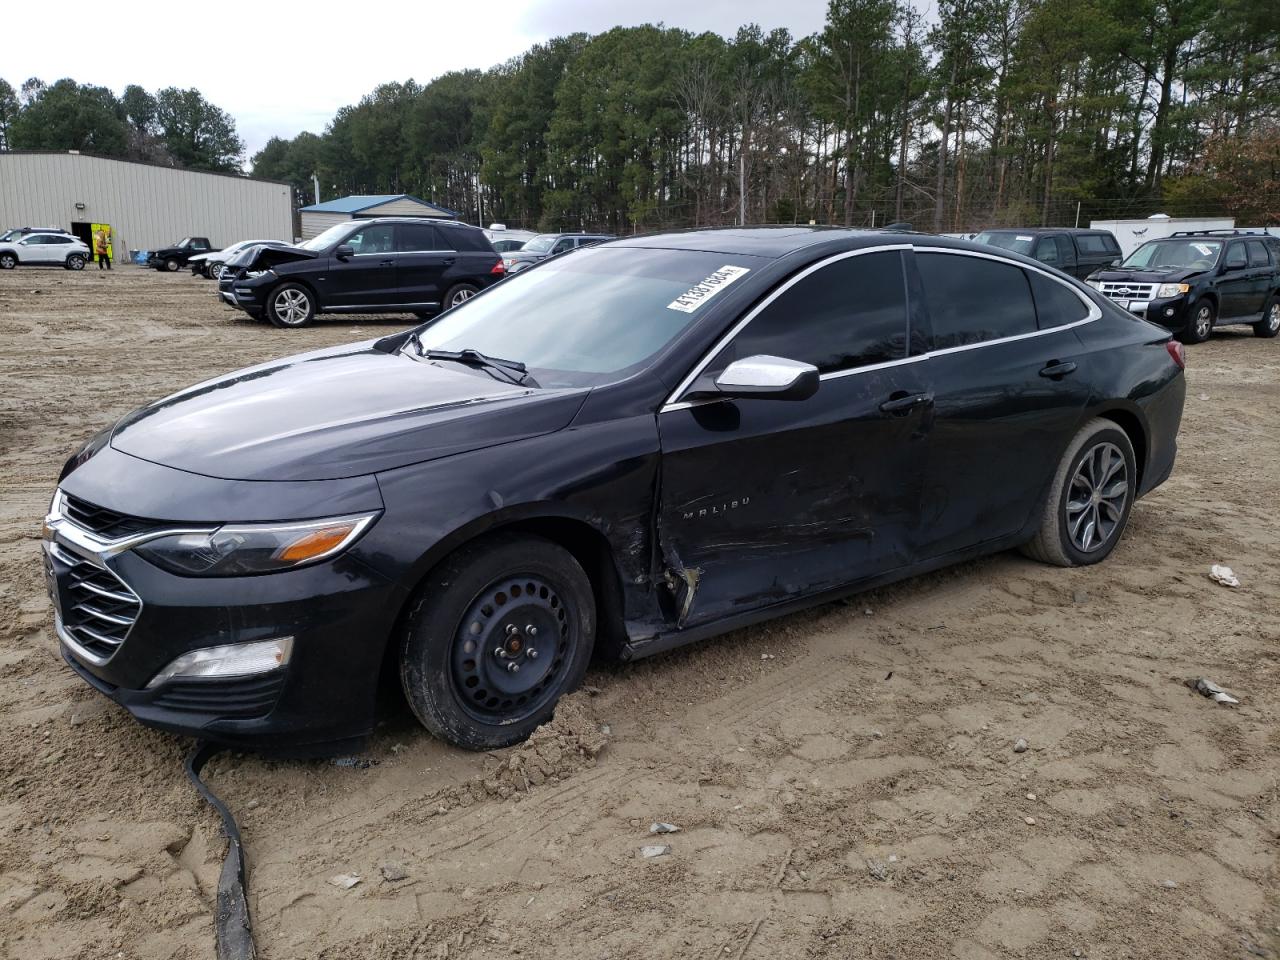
(844, 780)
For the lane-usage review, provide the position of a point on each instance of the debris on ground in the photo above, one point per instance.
(1208, 688)
(766, 656)
(878, 870)
(344, 881)
(391, 872)
(1169, 884)
(655, 850)
(661, 827)
(1221, 573)
(1020, 745)
(357, 763)
(1029, 821)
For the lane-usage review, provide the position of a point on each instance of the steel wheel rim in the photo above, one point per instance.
(460, 297)
(290, 306)
(512, 645)
(1097, 497)
(171, 266)
(1204, 320)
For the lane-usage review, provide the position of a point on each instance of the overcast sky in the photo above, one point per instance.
(280, 68)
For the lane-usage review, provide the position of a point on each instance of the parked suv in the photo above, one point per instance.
(387, 265)
(51, 249)
(171, 258)
(546, 245)
(1196, 280)
(1077, 252)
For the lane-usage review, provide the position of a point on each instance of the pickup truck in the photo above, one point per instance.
(171, 258)
(1078, 252)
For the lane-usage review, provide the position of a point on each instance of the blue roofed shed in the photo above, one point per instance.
(319, 217)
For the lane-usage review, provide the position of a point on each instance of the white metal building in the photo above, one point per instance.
(319, 217)
(1131, 234)
(147, 205)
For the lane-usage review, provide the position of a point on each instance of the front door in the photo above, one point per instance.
(368, 277)
(764, 501)
(1008, 389)
(421, 263)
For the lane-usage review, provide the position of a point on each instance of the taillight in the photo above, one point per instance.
(1175, 351)
(498, 269)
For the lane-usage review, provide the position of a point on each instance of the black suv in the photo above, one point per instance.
(388, 265)
(1196, 280)
(546, 245)
(1077, 252)
(171, 258)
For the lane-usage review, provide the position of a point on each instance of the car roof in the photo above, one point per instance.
(1034, 230)
(436, 220)
(779, 241)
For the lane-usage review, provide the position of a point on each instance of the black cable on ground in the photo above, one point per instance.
(233, 933)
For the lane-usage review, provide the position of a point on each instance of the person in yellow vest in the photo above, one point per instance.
(102, 246)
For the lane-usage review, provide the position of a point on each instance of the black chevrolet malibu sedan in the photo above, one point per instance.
(644, 444)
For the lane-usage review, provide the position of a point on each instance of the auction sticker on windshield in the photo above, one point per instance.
(704, 290)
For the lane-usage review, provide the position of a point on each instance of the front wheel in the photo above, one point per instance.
(1200, 328)
(1269, 325)
(171, 265)
(8, 261)
(459, 294)
(75, 262)
(214, 271)
(495, 636)
(1090, 499)
(291, 305)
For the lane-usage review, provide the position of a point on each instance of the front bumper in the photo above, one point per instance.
(1172, 313)
(339, 613)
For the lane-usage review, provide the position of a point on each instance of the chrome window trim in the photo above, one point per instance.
(1094, 313)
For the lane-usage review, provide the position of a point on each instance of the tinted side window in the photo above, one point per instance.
(1055, 304)
(464, 238)
(1092, 243)
(1258, 254)
(372, 239)
(563, 244)
(412, 237)
(1047, 250)
(847, 314)
(1236, 256)
(972, 299)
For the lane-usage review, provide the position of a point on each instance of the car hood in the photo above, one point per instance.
(522, 255)
(343, 412)
(261, 256)
(1158, 275)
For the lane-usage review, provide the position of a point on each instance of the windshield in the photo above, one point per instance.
(1194, 252)
(540, 244)
(587, 319)
(183, 242)
(331, 236)
(1017, 242)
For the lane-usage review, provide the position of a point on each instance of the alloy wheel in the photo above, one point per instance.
(1204, 322)
(290, 307)
(510, 648)
(215, 271)
(460, 297)
(1273, 316)
(8, 261)
(1097, 497)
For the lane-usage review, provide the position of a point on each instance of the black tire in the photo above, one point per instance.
(423, 314)
(172, 265)
(1200, 323)
(75, 262)
(8, 261)
(459, 293)
(1269, 325)
(291, 306)
(474, 617)
(1062, 529)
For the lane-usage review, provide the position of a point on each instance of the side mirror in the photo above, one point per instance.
(768, 378)
(344, 251)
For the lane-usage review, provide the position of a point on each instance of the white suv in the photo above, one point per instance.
(44, 250)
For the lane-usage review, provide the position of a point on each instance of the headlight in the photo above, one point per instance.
(238, 550)
(250, 274)
(1096, 284)
(232, 660)
(1172, 289)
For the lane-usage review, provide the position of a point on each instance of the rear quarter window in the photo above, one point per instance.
(460, 238)
(974, 300)
(1096, 243)
(1056, 304)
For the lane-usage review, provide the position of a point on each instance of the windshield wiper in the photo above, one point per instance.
(512, 371)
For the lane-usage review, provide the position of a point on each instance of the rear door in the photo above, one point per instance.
(1261, 272)
(765, 500)
(423, 255)
(368, 277)
(1010, 384)
(1235, 284)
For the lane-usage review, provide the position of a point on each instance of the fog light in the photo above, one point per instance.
(1168, 311)
(231, 660)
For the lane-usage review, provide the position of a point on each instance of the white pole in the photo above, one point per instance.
(1077, 213)
(315, 183)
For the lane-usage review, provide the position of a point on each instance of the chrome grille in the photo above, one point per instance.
(97, 609)
(1126, 290)
(105, 523)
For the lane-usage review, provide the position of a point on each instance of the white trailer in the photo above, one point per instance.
(1131, 234)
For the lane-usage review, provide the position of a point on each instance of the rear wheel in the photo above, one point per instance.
(1200, 326)
(495, 636)
(459, 294)
(1269, 325)
(75, 262)
(8, 261)
(291, 305)
(1090, 499)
